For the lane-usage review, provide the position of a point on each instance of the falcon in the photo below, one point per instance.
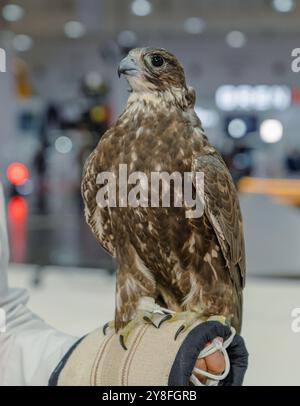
(192, 266)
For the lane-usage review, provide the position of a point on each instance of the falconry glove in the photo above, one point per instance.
(153, 357)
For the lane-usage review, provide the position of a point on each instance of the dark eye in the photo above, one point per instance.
(157, 60)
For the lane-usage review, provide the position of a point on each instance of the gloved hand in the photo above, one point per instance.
(214, 363)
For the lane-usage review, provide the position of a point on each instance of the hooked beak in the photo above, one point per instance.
(128, 66)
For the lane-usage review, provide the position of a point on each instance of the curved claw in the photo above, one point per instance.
(104, 328)
(121, 338)
(167, 317)
(181, 328)
(148, 320)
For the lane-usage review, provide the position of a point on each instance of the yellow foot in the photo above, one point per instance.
(109, 325)
(220, 318)
(140, 317)
(188, 320)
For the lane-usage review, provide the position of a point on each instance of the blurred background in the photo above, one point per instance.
(60, 93)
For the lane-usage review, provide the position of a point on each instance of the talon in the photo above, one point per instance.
(166, 318)
(127, 330)
(109, 324)
(123, 343)
(188, 318)
(148, 320)
(181, 328)
(105, 327)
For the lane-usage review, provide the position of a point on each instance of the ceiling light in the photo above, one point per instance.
(271, 131)
(12, 12)
(63, 144)
(74, 29)
(93, 80)
(236, 39)
(22, 42)
(257, 97)
(283, 6)
(194, 25)
(237, 128)
(141, 8)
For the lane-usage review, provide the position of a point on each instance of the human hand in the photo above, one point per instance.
(214, 363)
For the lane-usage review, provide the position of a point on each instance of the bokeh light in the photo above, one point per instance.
(141, 8)
(74, 29)
(12, 12)
(17, 209)
(17, 173)
(63, 144)
(22, 42)
(236, 39)
(237, 128)
(271, 131)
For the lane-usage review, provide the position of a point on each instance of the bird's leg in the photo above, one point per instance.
(141, 316)
(135, 293)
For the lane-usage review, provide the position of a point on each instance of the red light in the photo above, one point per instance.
(17, 173)
(296, 95)
(17, 209)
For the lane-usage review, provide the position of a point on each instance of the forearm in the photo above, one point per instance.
(29, 348)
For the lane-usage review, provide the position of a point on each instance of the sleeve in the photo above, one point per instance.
(29, 348)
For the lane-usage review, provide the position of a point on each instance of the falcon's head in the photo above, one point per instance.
(152, 69)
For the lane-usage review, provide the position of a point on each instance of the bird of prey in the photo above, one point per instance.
(193, 266)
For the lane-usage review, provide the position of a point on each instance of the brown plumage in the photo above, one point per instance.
(183, 263)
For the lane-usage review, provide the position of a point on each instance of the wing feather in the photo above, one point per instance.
(223, 210)
(97, 218)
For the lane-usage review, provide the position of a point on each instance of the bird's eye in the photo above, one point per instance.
(157, 60)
